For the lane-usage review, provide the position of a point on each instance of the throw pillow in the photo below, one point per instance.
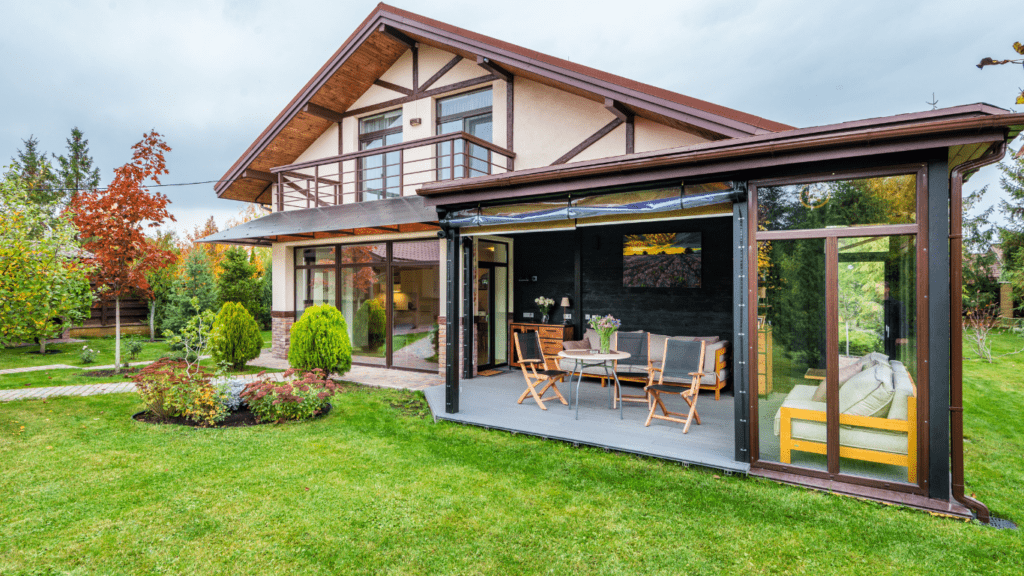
(869, 393)
(576, 345)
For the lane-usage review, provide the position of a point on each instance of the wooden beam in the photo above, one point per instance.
(422, 94)
(618, 109)
(396, 34)
(394, 87)
(510, 101)
(415, 68)
(588, 142)
(493, 68)
(259, 175)
(321, 112)
(437, 75)
(630, 135)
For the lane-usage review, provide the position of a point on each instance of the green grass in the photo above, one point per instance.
(399, 341)
(376, 487)
(70, 354)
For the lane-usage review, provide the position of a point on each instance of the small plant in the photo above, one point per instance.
(320, 340)
(88, 355)
(291, 399)
(231, 393)
(194, 338)
(173, 388)
(133, 347)
(235, 338)
(369, 325)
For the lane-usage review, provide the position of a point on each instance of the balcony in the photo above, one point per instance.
(388, 171)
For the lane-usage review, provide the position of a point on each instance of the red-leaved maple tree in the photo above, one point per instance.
(112, 226)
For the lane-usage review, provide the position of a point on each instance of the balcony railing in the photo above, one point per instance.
(387, 171)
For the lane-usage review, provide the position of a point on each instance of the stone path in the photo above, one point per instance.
(365, 375)
(68, 366)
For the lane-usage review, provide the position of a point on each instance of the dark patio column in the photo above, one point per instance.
(451, 344)
(938, 330)
(741, 332)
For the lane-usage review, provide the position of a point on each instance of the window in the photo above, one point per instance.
(470, 113)
(380, 176)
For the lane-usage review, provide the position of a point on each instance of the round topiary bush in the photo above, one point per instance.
(320, 340)
(235, 338)
(370, 325)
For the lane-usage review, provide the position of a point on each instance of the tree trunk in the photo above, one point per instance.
(152, 319)
(42, 345)
(117, 334)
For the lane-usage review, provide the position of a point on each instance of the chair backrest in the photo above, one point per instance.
(682, 357)
(528, 347)
(636, 344)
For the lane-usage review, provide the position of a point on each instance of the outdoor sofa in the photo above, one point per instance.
(877, 415)
(716, 371)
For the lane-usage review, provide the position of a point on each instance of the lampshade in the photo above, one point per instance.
(565, 302)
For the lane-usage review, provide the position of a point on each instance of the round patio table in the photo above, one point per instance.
(588, 358)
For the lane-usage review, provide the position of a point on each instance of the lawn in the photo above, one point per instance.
(69, 354)
(377, 487)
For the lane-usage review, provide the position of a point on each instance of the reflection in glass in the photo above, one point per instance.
(363, 303)
(416, 294)
(861, 202)
(878, 342)
(313, 286)
(791, 345)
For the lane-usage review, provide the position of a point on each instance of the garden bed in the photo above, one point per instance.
(109, 373)
(236, 419)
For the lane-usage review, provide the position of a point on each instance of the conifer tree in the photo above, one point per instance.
(32, 166)
(75, 171)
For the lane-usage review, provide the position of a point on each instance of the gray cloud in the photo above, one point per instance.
(210, 76)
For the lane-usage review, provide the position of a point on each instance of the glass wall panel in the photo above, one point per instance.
(493, 252)
(500, 314)
(363, 302)
(877, 280)
(860, 202)
(365, 254)
(417, 304)
(313, 286)
(318, 255)
(791, 352)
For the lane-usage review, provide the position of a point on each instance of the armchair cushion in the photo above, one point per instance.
(869, 393)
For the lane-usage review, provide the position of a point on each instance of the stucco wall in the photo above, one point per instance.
(649, 135)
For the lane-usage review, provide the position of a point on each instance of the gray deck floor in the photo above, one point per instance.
(491, 402)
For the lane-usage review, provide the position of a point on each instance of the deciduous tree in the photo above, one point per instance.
(44, 286)
(113, 223)
(1019, 49)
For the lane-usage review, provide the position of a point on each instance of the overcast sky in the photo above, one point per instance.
(211, 76)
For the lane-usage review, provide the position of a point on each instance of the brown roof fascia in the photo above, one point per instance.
(293, 106)
(691, 110)
(824, 142)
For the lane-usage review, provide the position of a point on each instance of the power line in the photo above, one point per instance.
(107, 187)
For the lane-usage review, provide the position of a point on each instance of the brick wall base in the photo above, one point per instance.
(280, 332)
(442, 352)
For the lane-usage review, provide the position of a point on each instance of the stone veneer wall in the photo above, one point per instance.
(280, 332)
(442, 351)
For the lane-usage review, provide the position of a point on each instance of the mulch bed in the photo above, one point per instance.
(110, 372)
(235, 419)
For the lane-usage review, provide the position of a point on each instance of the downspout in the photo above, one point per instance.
(956, 325)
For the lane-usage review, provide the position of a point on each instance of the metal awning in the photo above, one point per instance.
(406, 214)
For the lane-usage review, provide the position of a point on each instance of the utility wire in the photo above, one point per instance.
(145, 186)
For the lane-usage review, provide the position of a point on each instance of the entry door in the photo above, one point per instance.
(491, 315)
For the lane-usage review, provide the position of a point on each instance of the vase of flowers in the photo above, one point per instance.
(544, 305)
(605, 326)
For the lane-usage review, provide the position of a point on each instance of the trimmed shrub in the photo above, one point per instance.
(370, 325)
(235, 338)
(133, 347)
(320, 340)
(291, 399)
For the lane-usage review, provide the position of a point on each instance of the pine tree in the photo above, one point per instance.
(196, 279)
(238, 281)
(76, 171)
(33, 167)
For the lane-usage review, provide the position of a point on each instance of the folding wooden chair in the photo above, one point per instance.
(683, 360)
(530, 356)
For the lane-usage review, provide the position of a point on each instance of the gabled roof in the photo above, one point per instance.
(369, 52)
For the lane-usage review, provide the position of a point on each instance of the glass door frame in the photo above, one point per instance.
(831, 237)
(492, 301)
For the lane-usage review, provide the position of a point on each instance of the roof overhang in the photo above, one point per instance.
(394, 215)
(385, 35)
(967, 131)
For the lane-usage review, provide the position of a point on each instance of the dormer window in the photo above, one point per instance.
(380, 176)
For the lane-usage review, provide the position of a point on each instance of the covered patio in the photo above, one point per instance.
(490, 402)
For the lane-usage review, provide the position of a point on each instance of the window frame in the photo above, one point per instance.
(364, 138)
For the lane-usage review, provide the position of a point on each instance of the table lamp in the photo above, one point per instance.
(565, 309)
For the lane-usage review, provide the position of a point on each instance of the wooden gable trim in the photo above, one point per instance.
(589, 141)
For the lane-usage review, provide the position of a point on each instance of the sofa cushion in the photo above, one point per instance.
(576, 345)
(875, 358)
(904, 389)
(593, 337)
(709, 354)
(657, 347)
(869, 393)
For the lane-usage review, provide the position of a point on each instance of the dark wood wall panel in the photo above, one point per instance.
(704, 311)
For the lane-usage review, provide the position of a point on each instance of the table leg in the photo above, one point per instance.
(576, 365)
(616, 376)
